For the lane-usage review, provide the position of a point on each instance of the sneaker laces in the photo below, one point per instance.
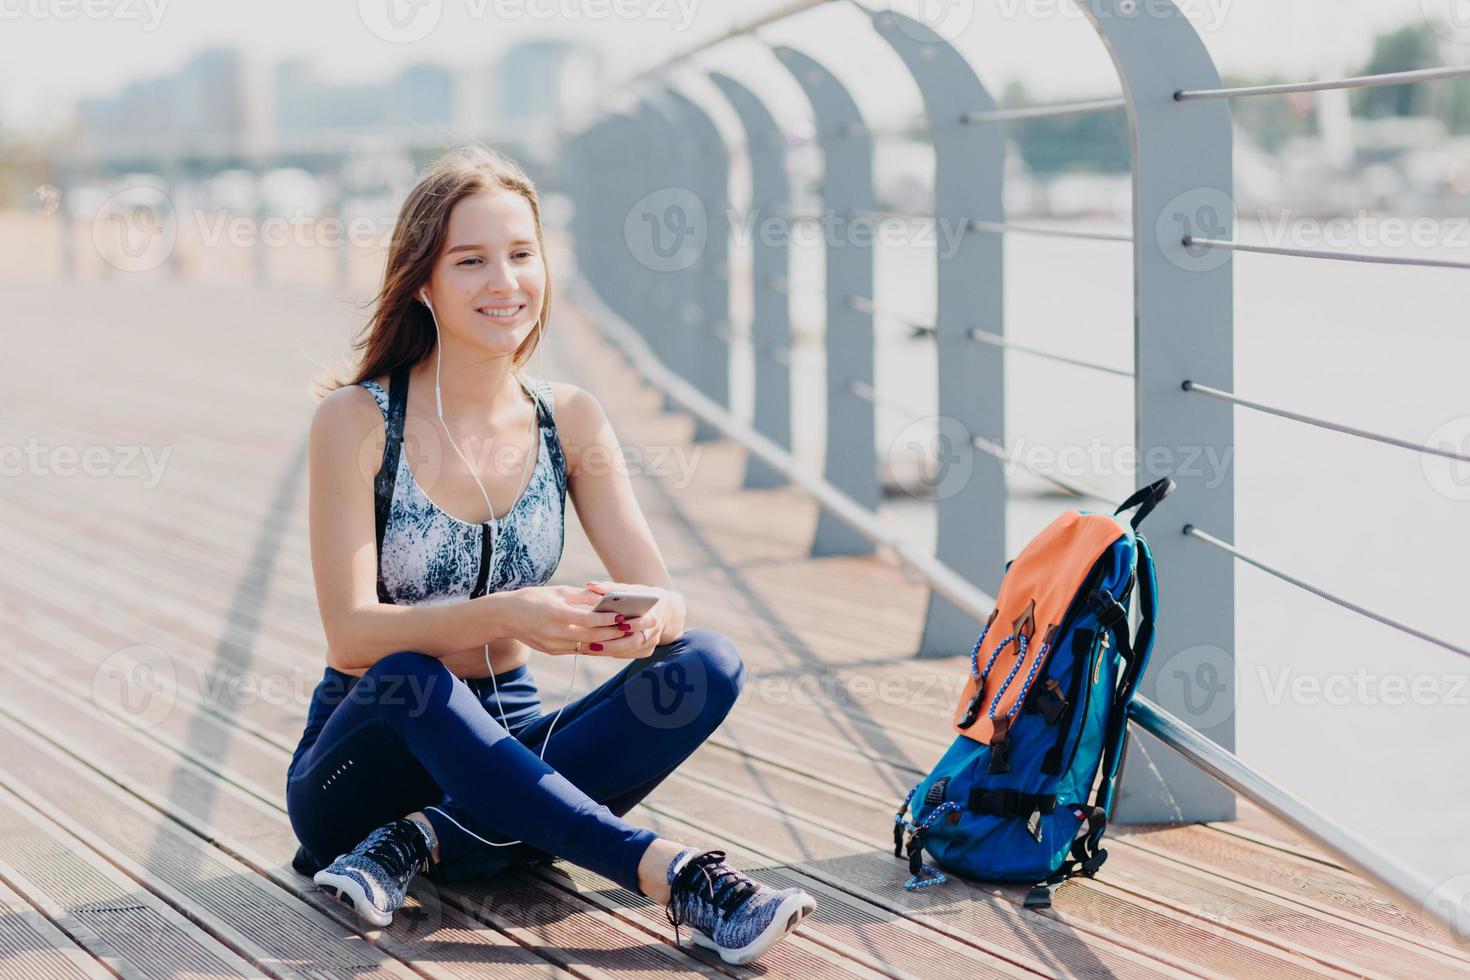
(726, 888)
(394, 850)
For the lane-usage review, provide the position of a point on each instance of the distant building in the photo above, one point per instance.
(206, 97)
(420, 94)
(540, 79)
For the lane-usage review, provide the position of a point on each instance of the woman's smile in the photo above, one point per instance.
(501, 313)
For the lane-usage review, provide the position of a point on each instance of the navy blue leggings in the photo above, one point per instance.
(408, 734)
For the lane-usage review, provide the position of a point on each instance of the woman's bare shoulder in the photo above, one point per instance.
(350, 411)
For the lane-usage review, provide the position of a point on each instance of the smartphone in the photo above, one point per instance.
(630, 604)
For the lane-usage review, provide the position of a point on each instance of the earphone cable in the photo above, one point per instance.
(534, 455)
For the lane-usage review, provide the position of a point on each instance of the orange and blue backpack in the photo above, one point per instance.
(1044, 713)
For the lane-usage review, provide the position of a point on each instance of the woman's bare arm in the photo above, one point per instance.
(602, 493)
(346, 448)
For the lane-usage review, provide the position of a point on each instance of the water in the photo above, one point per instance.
(1360, 720)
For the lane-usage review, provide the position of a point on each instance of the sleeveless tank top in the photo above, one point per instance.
(427, 556)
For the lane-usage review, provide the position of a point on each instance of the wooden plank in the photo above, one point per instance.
(219, 894)
(123, 925)
(31, 945)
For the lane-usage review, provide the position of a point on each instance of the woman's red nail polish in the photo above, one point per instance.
(595, 647)
(620, 618)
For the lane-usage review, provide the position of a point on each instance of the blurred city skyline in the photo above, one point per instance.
(55, 61)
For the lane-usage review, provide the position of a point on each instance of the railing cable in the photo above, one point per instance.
(1362, 81)
(1320, 253)
(1210, 539)
(1323, 423)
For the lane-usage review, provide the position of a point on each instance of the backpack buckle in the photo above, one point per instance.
(972, 710)
(1000, 748)
(1049, 701)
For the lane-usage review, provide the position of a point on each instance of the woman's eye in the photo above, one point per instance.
(468, 261)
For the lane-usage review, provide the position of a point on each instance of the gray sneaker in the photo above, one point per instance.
(730, 913)
(373, 877)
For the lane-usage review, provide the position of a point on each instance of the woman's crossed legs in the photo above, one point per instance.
(411, 736)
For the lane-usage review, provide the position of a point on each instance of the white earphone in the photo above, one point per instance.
(535, 452)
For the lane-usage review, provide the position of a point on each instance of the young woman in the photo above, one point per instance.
(425, 747)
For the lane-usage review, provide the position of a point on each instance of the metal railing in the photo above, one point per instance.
(671, 295)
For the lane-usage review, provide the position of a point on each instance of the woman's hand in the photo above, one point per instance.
(644, 632)
(558, 619)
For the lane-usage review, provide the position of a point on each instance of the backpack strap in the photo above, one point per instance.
(1088, 854)
(387, 473)
(1146, 500)
(1137, 653)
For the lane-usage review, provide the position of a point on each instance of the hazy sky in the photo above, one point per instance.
(52, 51)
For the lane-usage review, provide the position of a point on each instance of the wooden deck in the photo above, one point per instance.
(144, 839)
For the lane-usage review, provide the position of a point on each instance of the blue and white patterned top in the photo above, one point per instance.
(427, 556)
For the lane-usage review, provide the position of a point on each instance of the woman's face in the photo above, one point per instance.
(489, 279)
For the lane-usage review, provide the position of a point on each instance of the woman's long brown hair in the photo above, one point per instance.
(400, 332)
